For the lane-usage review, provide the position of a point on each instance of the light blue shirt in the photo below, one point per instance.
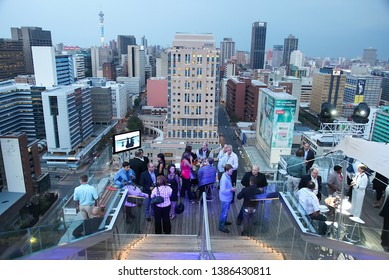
(85, 194)
(225, 194)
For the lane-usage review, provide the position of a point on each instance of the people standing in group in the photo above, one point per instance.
(385, 228)
(173, 180)
(314, 177)
(261, 183)
(310, 203)
(207, 176)
(220, 167)
(203, 153)
(148, 180)
(379, 185)
(296, 169)
(161, 164)
(231, 158)
(359, 185)
(335, 180)
(124, 176)
(138, 165)
(309, 156)
(162, 210)
(186, 166)
(133, 190)
(225, 196)
(249, 207)
(85, 197)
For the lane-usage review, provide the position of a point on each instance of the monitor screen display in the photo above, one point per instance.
(126, 141)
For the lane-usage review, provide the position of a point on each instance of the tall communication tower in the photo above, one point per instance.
(101, 15)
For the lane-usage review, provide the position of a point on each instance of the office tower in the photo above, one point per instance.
(31, 36)
(193, 80)
(327, 86)
(380, 129)
(277, 55)
(385, 91)
(11, 59)
(109, 71)
(50, 69)
(161, 65)
(361, 88)
(242, 98)
(99, 56)
(79, 66)
(297, 58)
(101, 98)
(21, 110)
(290, 44)
(370, 56)
(143, 42)
(119, 99)
(68, 119)
(306, 90)
(136, 63)
(123, 42)
(242, 57)
(258, 41)
(227, 50)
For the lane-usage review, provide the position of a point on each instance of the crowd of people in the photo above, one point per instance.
(200, 172)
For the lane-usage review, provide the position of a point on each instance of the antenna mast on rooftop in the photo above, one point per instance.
(101, 15)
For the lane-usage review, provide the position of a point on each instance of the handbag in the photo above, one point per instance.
(180, 207)
(158, 199)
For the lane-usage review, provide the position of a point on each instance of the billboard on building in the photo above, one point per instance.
(360, 91)
(283, 123)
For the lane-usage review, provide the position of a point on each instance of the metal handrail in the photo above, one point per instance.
(206, 248)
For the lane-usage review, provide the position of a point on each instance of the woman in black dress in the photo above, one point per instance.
(173, 180)
(161, 164)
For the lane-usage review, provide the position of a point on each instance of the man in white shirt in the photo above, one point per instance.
(231, 158)
(221, 154)
(310, 203)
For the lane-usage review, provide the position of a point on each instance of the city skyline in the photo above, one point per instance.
(77, 23)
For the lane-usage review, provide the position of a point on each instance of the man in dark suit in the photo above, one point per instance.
(143, 157)
(138, 166)
(148, 180)
(309, 156)
(316, 178)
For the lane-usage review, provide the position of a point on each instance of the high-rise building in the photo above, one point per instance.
(193, 81)
(21, 110)
(68, 119)
(227, 50)
(109, 71)
(157, 92)
(290, 44)
(361, 88)
(258, 42)
(277, 55)
(101, 100)
(123, 42)
(296, 58)
(385, 90)
(380, 129)
(11, 59)
(99, 56)
(327, 86)
(31, 36)
(136, 63)
(370, 56)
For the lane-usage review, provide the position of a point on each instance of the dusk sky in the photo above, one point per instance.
(325, 28)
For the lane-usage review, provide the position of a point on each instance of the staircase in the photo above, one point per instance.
(188, 247)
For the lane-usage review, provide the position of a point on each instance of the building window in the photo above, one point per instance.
(183, 133)
(187, 58)
(199, 59)
(186, 97)
(186, 110)
(198, 110)
(199, 85)
(199, 72)
(198, 97)
(187, 72)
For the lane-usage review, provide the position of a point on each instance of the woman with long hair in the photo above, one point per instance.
(186, 166)
(161, 164)
(162, 210)
(173, 180)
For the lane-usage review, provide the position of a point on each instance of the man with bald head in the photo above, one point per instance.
(261, 182)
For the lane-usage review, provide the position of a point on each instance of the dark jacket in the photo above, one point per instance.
(247, 194)
(310, 158)
(262, 182)
(146, 181)
(304, 181)
(138, 166)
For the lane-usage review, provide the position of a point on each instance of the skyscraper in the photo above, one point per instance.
(290, 44)
(227, 50)
(370, 56)
(192, 83)
(277, 55)
(136, 63)
(258, 41)
(31, 36)
(11, 59)
(123, 42)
